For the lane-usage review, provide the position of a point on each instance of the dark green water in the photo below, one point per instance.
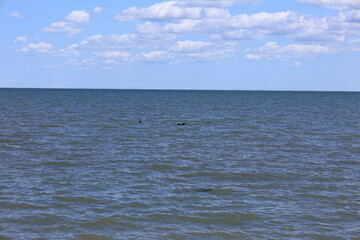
(77, 164)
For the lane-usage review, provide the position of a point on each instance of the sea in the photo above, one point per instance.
(179, 164)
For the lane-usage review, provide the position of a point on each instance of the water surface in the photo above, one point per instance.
(77, 164)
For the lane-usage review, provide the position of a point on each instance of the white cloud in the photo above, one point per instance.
(243, 26)
(148, 28)
(354, 44)
(334, 4)
(189, 46)
(70, 25)
(21, 39)
(204, 30)
(52, 65)
(113, 54)
(215, 3)
(83, 62)
(183, 26)
(78, 17)
(41, 47)
(261, 25)
(126, 41)
(272, 50)
(97, 10)
(154, 56)
(48, 49)
(252, 57)
(170, 10)
(152, 48)
(352, 16)
(16, 15)
(63, 27)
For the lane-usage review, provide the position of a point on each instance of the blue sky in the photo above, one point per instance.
(181, 44)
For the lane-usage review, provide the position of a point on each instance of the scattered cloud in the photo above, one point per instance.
(170, 10)
(63, 27)
(215, 3)
(189, 46)
(178, 31)
(154, 56)
(125, 56)
(47, 48)
(131, 42)
(97, 10)
(334, 4)
(272, 51)
(153, 48)
(41, 47)
(21, 39)
(16, 15)
(83, 62)
(70, 25)
(351, 45)
(78, 17)
(52, 65)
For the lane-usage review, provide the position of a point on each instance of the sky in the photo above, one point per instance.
(181, 44)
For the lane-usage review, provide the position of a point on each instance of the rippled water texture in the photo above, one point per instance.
(77, 164)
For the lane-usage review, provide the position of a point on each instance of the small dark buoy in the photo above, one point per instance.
(204, 190)
(181, 124)
(140, 121)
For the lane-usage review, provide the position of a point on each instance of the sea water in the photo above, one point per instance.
(115, 164)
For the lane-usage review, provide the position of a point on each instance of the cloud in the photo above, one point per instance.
(70, 25)
(133, 42)
(272, 51)
(154, 56)
(215, 3)
(289, 25)
(190, 51)
(205, 30)
(47, 48)
(63, 27)
(126, 56)
(352, 16)
(239, 27)
(78, 17)
(84, 62)
(16, 15)
(170, 10)
(21, 39)
(41, 47)
(140, 47)
(189, 46)
(334, 4)
(97, 10)
(352, 45)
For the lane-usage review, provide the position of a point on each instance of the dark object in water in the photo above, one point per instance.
(181, 124)
(204, 190)
(140, 121)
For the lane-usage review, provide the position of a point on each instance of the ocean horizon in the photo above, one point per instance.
(178, 89)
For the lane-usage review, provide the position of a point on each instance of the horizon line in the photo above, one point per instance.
(176, 89)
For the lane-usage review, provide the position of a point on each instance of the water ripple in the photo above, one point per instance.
(77, 164)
